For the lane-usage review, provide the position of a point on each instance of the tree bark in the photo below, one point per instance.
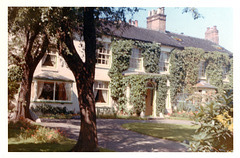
(84, 75)
(29, 67)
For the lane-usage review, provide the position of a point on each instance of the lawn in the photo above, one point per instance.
(164, 131)
(26, 137)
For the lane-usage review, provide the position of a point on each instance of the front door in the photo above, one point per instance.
(149, 102)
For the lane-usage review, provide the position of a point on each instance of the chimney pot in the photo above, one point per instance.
(136, 23)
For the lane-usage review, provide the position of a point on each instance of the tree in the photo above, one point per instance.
(84, 21)
(28, 42)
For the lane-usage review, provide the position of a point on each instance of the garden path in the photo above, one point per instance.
(112, 136)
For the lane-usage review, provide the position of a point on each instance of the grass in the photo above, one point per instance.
(15, 145)
(120, 117)
(19, 140)
(164, 131)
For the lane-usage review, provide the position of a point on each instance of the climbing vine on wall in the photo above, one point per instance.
(151, 54)
(216, 61)
(121, 53)
(177, 73)
(185, 67)
(138, 88)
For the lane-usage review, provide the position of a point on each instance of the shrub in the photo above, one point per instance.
(38, 133)
(49, 109)
(216, 131)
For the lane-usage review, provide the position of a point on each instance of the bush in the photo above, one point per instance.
(216, 131)
(49, 109)
(38, 133)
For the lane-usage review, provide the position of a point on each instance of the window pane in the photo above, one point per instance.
(50, 60)
(103, 54)
(101, 96)
(45, 90)
(61, 93)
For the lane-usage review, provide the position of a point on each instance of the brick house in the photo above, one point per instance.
(54, 82)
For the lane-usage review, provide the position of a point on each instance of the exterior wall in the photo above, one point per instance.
(61, 69)
(101, 76)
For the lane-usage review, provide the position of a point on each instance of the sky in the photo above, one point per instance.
(184, 23)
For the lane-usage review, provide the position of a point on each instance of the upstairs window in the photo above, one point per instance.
(101, 91)
(50, 60)
(164, 62)
(103, 54)
(202, 70)
(136, 61)
(225, 72)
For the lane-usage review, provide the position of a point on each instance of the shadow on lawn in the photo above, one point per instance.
(40, 147)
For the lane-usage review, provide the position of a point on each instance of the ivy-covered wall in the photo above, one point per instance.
(185, 67)
(121, 53)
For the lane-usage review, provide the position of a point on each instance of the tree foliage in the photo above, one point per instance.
(28, 42)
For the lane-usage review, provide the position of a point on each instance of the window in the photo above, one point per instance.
(202, 69)
(225, 71)
(163, 63)
(136, 60)
(101, 92)
(53, 91)
(50, 60)
(103, 57)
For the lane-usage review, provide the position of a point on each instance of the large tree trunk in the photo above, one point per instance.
(24, 95)
(84, 76)
(31, 62)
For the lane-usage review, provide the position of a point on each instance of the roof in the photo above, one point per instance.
(52, 76)
(166, 38)
(146, 35)
(206, 45)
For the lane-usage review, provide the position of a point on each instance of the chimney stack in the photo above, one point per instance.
(156, 20)
(212, 34)
(134, 23)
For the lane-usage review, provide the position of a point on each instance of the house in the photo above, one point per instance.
(54, 83)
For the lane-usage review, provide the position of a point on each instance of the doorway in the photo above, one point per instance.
(149, 99)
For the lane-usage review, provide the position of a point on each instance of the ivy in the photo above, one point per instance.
(214, 70)
(121, 53)
(185, 66)
(138, 88)
(151, 54)
(162, 89)
(177, 73)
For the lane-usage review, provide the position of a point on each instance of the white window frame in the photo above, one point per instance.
(202, 70)
(164, 62)
(103, 88)
(225, 73)
(103, 55)
(54, 92)
(136, 60)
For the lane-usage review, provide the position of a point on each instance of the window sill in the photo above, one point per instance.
(101, 104)
(102, 66)
(135, 70)
(49, 69)
(52, 101)
(164, 72)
